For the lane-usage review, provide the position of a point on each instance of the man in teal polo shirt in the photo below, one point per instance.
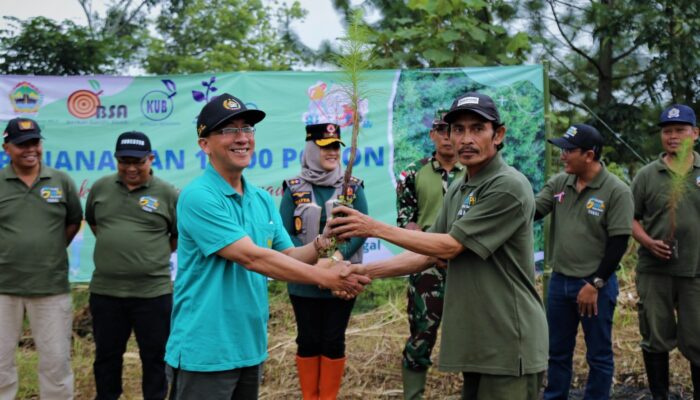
(40, 214)
(228, 229)
(669, 284)
(132, 214)
(494, 329)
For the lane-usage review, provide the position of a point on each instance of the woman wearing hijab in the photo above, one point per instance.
(321, 318)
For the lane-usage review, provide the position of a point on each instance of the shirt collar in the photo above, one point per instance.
(597, 181)
(662, 166)
(438, 167)
(9, 172)
(221, 184)
(495, 165)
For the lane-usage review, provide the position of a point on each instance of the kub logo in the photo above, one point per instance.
(158, 105)
(674, 113)
(26, 98)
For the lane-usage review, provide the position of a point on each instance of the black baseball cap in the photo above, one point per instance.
(19, 130)
(222, 109)
(133, 144)
(474, 102)
(323, 134)
(579, 136)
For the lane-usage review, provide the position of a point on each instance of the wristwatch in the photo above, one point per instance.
(598, 283)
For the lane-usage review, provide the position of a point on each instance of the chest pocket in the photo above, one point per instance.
(263, 234)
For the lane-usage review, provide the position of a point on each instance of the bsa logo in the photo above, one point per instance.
(674, 113)
(149, 203)
(51, 194)
(158, 105)
(595, 207)
(86, 104)
(26, 98)
(231, 104)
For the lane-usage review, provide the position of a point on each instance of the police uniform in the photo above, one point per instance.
(131, 286)
(34, 269)
(321, 318)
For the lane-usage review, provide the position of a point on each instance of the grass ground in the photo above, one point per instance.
(375, 339)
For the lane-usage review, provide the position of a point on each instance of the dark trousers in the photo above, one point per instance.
(426, 295)
(235, 384)
(321, 325)
(563, 319)
(113, 319)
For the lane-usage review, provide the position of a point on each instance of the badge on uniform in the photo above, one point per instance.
(301, 198)
(468, 203)
(51, 194)
(297, 225)
(149, 203)
(595, 207)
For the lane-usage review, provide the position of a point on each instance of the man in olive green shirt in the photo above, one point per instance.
(591, 221)
(494, 325)
(668, 270)
(40, 214)
(132, 214)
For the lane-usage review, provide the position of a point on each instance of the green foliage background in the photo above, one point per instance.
(420, 93)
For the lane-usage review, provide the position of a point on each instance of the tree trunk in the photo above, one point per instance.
(605, 62)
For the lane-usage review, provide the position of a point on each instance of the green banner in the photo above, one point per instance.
(81, 117)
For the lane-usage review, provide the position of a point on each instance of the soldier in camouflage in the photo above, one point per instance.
(421, 187)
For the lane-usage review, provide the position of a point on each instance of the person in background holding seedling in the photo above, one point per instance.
(668, 271)
(321, 318)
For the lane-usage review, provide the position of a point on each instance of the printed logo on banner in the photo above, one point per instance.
(158, 105)
(26, 98)
(204, 96)
(86, 104)
(333, 105)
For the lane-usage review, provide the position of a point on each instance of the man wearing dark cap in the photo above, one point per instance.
(132, 214)
(228, 231)
(40, 213)
(668, 270)
(494, 326)
(419, 193)
(591, 221)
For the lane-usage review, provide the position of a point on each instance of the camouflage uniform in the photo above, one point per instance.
(426, 289)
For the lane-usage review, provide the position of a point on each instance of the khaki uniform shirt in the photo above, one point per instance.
(493, 318)
(650, 190)
(581, 223)
(132, 248)
(33, 220)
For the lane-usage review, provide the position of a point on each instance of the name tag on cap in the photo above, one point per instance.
(468, 100)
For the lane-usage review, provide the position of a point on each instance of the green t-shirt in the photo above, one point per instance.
(33, 220)
(581, 223)
(493, 318)
(133, 231)
(650, 190)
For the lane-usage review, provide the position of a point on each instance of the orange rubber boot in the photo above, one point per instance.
(308, 370)
(331, 377)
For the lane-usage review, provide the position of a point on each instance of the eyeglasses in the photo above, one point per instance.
(132, 161)
(246, 130)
